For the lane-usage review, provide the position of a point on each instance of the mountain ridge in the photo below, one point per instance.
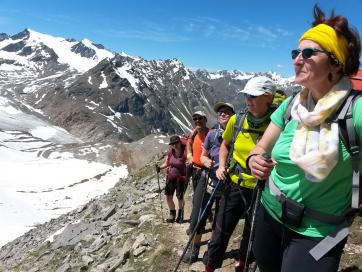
(108, 94)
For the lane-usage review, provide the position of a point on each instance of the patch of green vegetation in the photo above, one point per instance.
(158, 258)
(147, 171)
(41, 250)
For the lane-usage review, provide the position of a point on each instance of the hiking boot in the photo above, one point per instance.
(171, 217)
(180, 216)
(191, 255)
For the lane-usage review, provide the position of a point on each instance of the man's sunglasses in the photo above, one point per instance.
(307, 52)
(197, 118)
(249, 96)
(225, 112)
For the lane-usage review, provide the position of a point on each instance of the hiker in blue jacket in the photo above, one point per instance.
(210, 160)
(310, 184)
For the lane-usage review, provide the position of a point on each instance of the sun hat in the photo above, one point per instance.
(174, 140)
(218, 105)
(259, 85)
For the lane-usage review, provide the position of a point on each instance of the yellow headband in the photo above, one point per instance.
(327, 37)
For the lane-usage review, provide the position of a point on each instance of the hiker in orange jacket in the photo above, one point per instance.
(194, 145)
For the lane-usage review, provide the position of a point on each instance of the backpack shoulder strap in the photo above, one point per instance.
(239, 120)
(352, 142)
(344, 118)
(287, 115)
(217, 131)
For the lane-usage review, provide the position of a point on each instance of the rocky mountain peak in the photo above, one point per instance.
(4, 36)
(25, 34)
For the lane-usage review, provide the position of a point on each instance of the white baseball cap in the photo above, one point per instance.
(200, 113)
(259, 85)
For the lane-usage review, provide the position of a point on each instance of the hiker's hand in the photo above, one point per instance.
(158, 169)
(189, 161)
(208, 162)
(189, 158)
(259, 167)
(221, 173)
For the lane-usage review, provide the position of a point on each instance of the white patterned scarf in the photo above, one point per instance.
(315, 144)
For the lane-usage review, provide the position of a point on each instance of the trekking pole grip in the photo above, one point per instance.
(266, 158)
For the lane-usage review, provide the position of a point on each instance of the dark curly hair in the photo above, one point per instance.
(340, 25)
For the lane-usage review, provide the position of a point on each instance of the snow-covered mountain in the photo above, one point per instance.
(31, 52)
(96, 94)
(45, 171)
(227, 84)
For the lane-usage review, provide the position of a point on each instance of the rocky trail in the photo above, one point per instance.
(179, 237)
(351, 259)
(122, 231)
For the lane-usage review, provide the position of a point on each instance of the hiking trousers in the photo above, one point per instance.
(234, 203)
(195, 177)
(200, 199)
(279, 249)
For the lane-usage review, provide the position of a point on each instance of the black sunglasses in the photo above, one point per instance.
(197, 118)
(306, 52)
(247, 96)
(225, 112)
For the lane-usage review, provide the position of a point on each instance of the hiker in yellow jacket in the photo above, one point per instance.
(237, 195)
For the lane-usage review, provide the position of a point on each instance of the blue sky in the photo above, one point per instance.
(253, 36)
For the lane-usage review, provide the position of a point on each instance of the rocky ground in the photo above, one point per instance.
(123, 231)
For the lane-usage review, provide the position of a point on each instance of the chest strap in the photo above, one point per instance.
(330, 241)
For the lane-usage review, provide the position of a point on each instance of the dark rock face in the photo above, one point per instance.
(83, 50)
(21, 35)
(138, 98)
(98, 45)
(14, 47)
(44, 54)
(3, 36)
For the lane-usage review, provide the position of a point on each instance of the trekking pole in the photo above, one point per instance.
(159, 193)
(198, 223)
(258, 190)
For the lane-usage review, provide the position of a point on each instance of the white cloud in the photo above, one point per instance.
(268, 33)
(283, 32)
(144, 33)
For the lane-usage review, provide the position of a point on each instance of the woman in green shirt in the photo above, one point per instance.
(311, 167)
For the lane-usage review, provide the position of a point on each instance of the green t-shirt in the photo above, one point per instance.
(244, 142)
(332, 195)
